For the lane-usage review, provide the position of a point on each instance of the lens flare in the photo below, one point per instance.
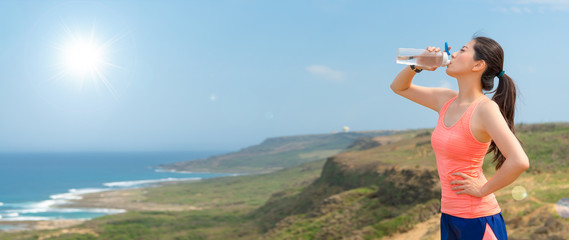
(519, 193)
(82, 58)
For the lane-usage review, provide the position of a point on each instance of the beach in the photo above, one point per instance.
(40, 225)
(125, 199)
(119, 201)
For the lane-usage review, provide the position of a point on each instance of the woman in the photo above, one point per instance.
(470, 125)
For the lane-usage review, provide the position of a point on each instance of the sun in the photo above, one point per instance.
(83, 57)
(81, 52)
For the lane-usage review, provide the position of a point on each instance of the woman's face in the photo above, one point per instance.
(462, 60)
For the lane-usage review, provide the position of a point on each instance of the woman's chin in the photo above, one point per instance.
(449, 72)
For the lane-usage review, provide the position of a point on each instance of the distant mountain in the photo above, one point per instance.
(278, 153)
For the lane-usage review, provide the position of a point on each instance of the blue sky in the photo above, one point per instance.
(224, 75)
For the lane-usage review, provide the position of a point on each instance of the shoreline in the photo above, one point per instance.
(120, 200)
(125, 199)
(17, 226)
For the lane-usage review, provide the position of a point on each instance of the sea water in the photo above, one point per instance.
(32, 185)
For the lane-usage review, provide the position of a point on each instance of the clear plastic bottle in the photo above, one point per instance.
(423, 58)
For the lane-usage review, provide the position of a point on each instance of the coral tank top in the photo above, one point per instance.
(457, 150)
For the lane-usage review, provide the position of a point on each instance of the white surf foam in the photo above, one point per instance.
(26, 211)
(25, 219)
(75, 194)
(14, 214)
(171, 170)
(126, 184)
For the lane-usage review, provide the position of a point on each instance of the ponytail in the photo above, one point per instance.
(505, 97)
(491, 52)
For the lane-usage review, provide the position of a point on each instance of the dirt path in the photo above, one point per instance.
(69, 231)
(428, 230)
(43, 225)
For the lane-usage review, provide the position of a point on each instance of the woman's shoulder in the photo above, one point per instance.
(488, 110)
(487, 104)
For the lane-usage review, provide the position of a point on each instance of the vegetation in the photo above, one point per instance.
(370, 191)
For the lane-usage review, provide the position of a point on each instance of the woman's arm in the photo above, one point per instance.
(433, 98)
(516, 159)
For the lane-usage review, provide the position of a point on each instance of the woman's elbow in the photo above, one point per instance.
(395, 89)
(524, 162)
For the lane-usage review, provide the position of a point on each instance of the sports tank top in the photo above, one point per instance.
(457, 150)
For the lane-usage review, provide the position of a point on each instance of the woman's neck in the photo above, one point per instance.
(469, 89)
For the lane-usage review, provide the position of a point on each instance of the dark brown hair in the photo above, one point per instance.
(491, 52)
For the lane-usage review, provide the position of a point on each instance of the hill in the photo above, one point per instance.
(277, 153)
(383, 190)
(386, 191)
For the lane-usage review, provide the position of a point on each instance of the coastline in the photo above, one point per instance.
(40, 225)
(119, 200)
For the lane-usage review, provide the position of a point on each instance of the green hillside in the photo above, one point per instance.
(383, 190)
(377, 192)
(277, 153)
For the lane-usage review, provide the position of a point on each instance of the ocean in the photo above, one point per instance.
(32, 184)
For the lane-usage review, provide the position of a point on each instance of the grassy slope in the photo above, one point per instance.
(277, 153)
(533, 217)
(233, 206)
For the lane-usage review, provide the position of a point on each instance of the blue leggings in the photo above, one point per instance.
(455, 228)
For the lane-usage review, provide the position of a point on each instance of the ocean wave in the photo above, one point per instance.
(75, 194)
(35, 207)
(171, 170)
(44, 205)
(42, 210)
(15, 219)
(24, 214)
(126, 184)
(88, 210)
(14, 214)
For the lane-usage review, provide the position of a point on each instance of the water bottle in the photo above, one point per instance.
(423, 58)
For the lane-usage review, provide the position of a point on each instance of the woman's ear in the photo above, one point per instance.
(479, 66)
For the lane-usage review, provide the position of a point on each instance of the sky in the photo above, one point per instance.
(223, 75)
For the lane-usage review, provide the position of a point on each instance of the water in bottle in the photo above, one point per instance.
(423, 58)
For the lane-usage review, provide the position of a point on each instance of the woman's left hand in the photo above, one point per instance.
(470, 185)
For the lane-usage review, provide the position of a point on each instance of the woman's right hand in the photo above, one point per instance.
(431, 50)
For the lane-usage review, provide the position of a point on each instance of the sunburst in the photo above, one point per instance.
(83, 58)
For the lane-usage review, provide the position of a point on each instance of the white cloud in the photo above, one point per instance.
(531, 6)
(548, 2)
(325, 72)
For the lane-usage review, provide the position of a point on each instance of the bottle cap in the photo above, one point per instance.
(446, 59)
